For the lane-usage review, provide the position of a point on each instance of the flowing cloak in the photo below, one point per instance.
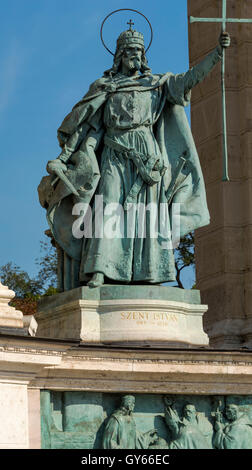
(121, 433)
(235, 435)
(172, 133)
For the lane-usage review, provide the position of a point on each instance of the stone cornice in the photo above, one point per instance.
(66, 365)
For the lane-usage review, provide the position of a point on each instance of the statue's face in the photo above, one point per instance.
(189, 412)
(129, 403)
(231, 412)
(132, 57)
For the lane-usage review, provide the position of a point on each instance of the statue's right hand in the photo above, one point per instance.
(168, 400)
(171, 415)
(54, 165)
(218, 416)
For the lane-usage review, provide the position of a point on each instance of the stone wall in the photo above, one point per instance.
(223, 249)
(30, 366)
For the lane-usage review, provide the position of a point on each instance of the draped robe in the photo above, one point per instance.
(121, 433)
(235, 435)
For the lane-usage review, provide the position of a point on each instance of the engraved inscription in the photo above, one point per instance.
(146, 317)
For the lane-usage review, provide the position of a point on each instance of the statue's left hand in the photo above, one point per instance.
(52, 165)
(224, 40)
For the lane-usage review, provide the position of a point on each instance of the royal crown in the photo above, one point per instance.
(130, 37)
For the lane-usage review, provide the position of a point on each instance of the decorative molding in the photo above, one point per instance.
(27, 350)
(68, 355)
(69, 366)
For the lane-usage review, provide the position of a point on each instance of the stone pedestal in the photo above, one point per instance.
(130, 315)
(223, 249)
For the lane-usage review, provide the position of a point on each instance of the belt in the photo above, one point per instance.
(113, 131)
(146, 172)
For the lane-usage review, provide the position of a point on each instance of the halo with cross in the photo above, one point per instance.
(130, 23)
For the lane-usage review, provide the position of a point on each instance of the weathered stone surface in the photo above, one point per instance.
(20, 362)
(223, 260)
(14, 416)
(34, 427)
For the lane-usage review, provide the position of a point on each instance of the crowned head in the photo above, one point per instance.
(130, 54)
(130, 37)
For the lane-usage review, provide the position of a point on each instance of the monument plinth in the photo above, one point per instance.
(117, 314)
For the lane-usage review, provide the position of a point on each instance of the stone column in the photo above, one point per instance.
(224, 248)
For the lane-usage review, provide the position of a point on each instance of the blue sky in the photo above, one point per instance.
(50, 52)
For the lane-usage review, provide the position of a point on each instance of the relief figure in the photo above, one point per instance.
(120, 431)
(191, 431)
(236, 432)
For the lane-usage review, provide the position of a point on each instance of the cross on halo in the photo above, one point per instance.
(222, 20)
(130, 23)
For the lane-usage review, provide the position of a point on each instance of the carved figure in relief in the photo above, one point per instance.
(120, 431)
(192, 431)
(236, 432)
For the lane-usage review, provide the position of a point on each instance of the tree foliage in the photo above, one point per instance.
(184, 257)
(44, 283)
(19, 281)
(47, 264)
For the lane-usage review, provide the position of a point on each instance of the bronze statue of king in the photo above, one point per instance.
(128, 158)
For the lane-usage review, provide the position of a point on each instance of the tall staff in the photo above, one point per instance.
(222, 20)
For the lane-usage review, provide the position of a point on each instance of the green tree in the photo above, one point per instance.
(19, 281)
(184, 257)
(47, 264)
(44, 283)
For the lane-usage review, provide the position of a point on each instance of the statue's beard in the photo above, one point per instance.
(134, 64)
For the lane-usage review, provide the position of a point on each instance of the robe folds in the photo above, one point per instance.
(145, 113)
(235, 435)
(194, 435)
(121, 433)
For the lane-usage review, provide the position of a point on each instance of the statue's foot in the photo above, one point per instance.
(97, 280)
